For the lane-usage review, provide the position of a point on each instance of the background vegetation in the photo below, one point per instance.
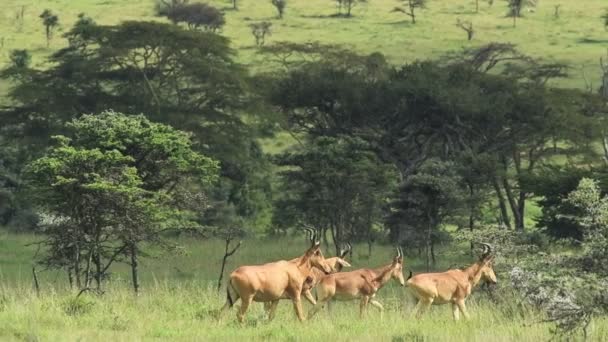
(140, 141)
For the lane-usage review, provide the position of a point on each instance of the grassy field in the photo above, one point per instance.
(577, 37)
(179, 301)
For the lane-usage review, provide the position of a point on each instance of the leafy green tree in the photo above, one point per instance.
(118, 181)
(422, 204)
(347, 6)
(50, 22)
(197, 15)
(260, 31)
(336, 184)
(20, 58)
(552, 184)
(184, 78)
(516, 6)
(280, 5)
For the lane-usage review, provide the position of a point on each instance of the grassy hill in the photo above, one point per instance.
(577, 37)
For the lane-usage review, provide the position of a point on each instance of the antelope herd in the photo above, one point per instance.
(292, 279)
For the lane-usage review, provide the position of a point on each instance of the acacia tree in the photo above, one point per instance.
(260, 31)
(197, 15)
(280, 6)
(50, 22)
(347, 6)
(336, 183)
(185, 78)
(422, 203)
(110, 187)
(410, 7)
(516, 6)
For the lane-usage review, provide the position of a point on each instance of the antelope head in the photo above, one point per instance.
(397, 267)
(314, 254)
(486, 261)
(339, 262)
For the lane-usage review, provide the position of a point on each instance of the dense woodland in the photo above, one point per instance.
(142, 131)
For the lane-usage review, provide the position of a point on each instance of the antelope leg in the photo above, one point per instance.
(309, 297)
(455, 312)
(272, 309)
(462, 308)
(245, 302)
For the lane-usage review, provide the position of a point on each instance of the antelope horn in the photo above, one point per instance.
(487, 249)
(398, 252)
(309, 233)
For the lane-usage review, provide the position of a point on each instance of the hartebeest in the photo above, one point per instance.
(453, 286)
(270, 282)
(359, 284)
(335, 263)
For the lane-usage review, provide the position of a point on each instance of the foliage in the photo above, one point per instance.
(280, 6)
(20, 58)
(336, 184)
(553, 184)
(50, 22)
(410, 7)
(197, 15)
(347, 6)
(422, 204)
(108, 188)
(184, 78)
(516, 6)
(260, 31)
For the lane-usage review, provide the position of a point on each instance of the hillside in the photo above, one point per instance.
(577, 37)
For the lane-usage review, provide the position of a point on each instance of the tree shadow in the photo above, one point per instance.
(327, 16)
(400, 23)
(592, 41)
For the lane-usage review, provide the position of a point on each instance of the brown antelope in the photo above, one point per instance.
(270, 282)
(453, 286)
(359, 284)
(335, 263)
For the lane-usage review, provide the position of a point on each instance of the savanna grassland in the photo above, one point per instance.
(576, 38)
(179, 300)
(219, 161)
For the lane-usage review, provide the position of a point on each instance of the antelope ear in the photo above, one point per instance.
(344, 263)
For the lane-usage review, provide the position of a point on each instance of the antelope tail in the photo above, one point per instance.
(409, 276)
(228, 297)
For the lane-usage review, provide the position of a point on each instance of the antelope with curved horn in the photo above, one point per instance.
(453, 286)
(270, 282)
(335, 263)
(359, 284)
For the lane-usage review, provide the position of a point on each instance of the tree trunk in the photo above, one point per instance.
(516, 208)
(227, 254)
(224, 259)
(501, 203)
(71, 277)
(434, 261)
(134, 265)
(36, 284)
(476, 6)
(77, 267)
(98, 270)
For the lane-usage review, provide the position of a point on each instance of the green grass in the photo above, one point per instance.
(179, 300)
(577, 37)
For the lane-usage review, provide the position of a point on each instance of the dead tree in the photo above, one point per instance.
(409, 8)
(556, 12)
(227, 254)
(467, 26)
